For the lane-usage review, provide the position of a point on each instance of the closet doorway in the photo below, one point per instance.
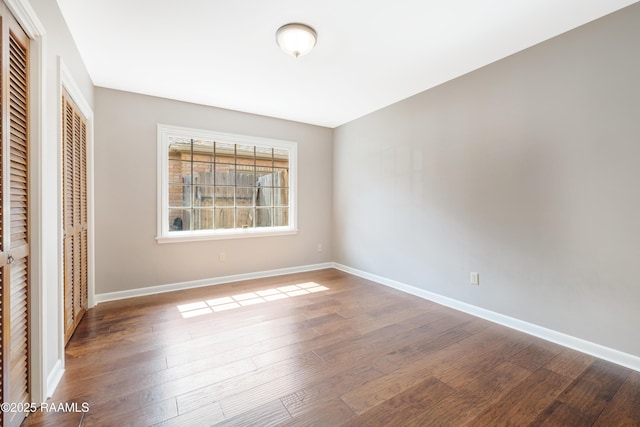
(75, 214)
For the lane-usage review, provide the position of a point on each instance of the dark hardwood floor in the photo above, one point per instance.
(324, 349)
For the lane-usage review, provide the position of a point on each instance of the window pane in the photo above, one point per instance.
(179, 172)
(280, 197)
(264, 156)
(245, 178)
(203, 195)
(202, 151)
(225, 153)
(281, 178)
(224, 218)
(281, 158)
(202, 177)
(244, 196)
(180, 148)
(245, 155)
(268, 179)
(264, 163)
(263, 172)
(263, 217)
(179, 219)
(281, 153)
(224, 196)
(202, 173)
(264, 196)
(225, 175)
(203, 219)
(179, 195)
(281, 217)
(244, 217)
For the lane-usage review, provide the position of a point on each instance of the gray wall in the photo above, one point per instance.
(45, 165)
(526, 171)
(127, 254)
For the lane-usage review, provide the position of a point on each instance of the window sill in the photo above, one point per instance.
(179, 237)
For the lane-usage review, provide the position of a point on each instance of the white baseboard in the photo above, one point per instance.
(54, 378)
(151, 290)
(624, 359)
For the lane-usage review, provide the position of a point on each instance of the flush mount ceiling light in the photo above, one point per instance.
(296, 39)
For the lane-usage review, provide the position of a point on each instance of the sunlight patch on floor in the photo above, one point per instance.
(250, 298)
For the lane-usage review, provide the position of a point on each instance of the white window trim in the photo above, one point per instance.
(164, 236)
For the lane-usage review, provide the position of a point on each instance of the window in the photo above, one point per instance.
(213, 185)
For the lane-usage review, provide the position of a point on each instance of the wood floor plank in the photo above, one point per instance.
(204, 416)
(243, 347)
(139, 391)
(377, 391)
(301, 347)
(624, 408)
(247, 400)
(469, 402)
(220, 390)
(141, 417)
(54, 418)
(332, 413)
(416, 346)
(570, 363)
(269, 414)
(536, 355)
(105, 374)
(594, 388)
(480, 357)
(403, 408)
(526, 401)
(357, 353)
(329, 389)
(361, 344)
(559, 414)
(449, 364)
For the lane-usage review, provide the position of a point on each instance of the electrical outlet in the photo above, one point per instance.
(222, 257)
(475, 278)
(319, 248)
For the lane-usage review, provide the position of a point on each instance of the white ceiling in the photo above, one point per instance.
(370, 53)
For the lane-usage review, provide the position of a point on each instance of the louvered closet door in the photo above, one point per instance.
(74, 168)
(15, 217)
